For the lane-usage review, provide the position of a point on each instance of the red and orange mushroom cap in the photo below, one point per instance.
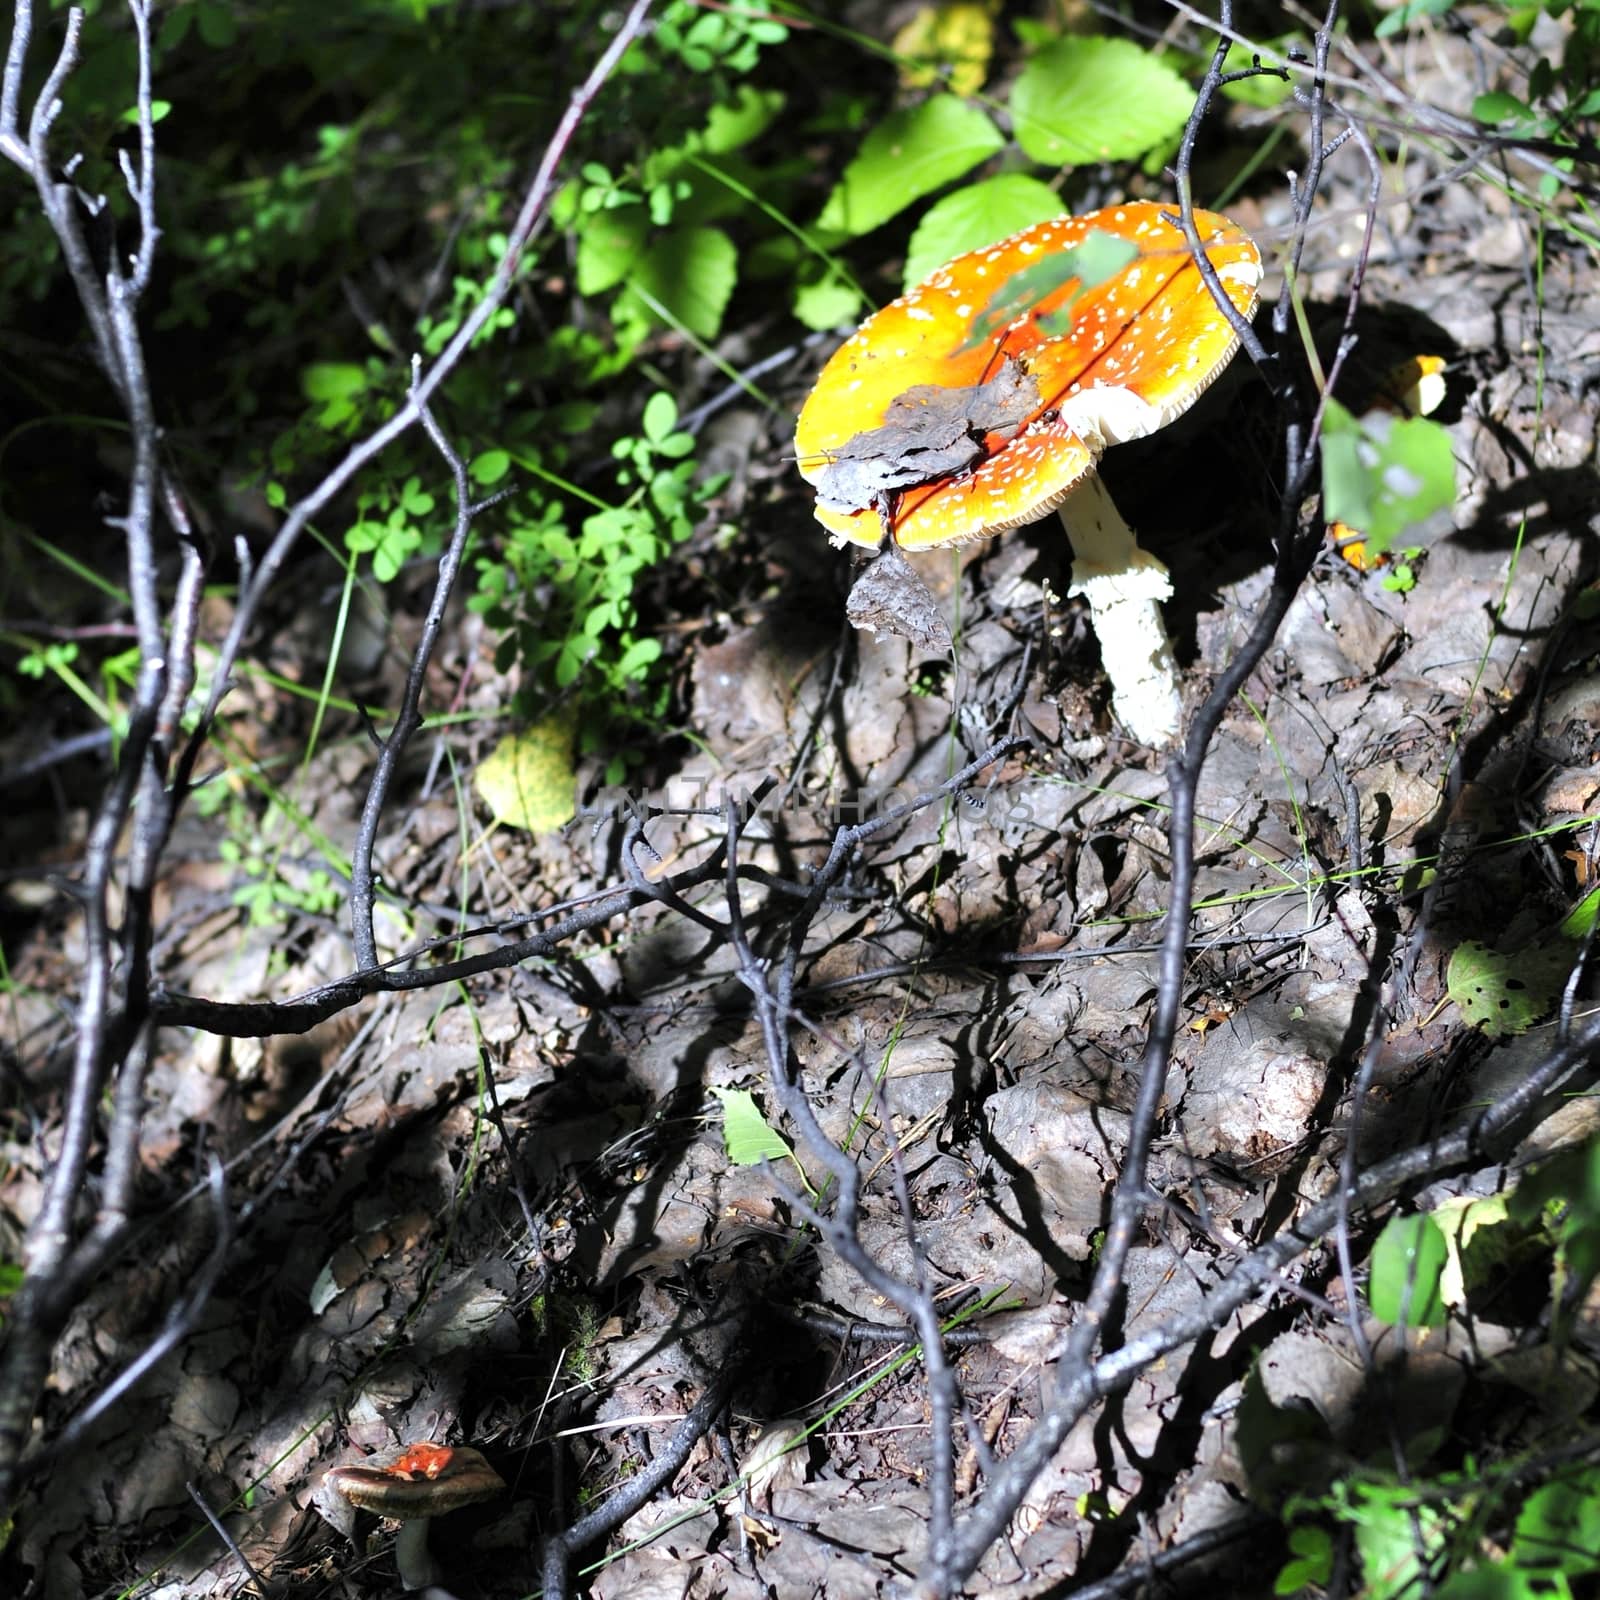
(1034, 407)
(425, 1480)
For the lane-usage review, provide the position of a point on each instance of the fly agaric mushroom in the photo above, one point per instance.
(938, 429)
(421, 1482)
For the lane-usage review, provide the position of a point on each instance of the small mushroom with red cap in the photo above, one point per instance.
(411, 1487)
(963, 408)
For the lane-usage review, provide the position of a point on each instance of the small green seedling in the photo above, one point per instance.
(749, 1138)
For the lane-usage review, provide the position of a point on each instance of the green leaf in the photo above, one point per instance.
(638, 658)
(1389, 1526)
(608, 245)
(527, 781)
(689, 274)
(660, 416)
(176, 27)
(1399, 21)
(1407, 1262)
(828, 304)
(1476, 1240)
(1384, 474)
(158, 110)
(907, 155)
(980, 214)
(1499, 107)
(1498, 1581)
(747, 1136)
(218, 26)
(332, 380)
(1559, 1526)
(490, 467)
(362, 536)
(1312, 1548)
(1505, 994)
(1566, 1191)
(1096, 99)
(1581, 918)
(746, 116)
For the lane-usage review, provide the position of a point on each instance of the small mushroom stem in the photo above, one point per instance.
(412, 1558)
(1124, 586)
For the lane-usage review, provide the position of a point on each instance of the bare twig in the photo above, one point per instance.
(115, 1010)
(638, 1490)
(410, 717)
(220, 1528)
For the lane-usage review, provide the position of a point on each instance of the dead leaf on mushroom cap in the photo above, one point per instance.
(891, 597)
(1142, 346)
(927, 433)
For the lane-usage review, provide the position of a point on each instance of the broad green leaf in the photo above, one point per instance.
(638, 658)
(490, 467)
(1500, 1581)
(689, 273)
(1505, 994)
(981, 213)
(1384, 474)
(1559, 1526)
(1312, 1550)
(1577, 922)
(1500, 107)
(608, 245)
(907, 155)
(332, 380)
(746, 116)
(1408, 1260)
(1094, 99)
(527, 780)
(829, 304)
(1462, 1221)
(747, 1136)
(1389, 1526)
(660, 416)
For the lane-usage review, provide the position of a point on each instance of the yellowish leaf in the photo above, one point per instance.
(527, 780)
(949, 44)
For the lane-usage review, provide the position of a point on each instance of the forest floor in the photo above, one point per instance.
(504, 1211)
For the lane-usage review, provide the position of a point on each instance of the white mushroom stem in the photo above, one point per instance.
(1124, 586)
